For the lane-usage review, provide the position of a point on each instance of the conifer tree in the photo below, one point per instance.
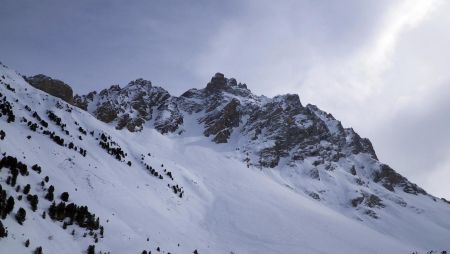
(9, 207)
(38, 250)
(3, 231)
(20, 215)
(26, 189)
(65, 196)
(91, 249)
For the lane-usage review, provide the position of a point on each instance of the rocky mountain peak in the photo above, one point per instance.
(139, 83)
(219, 83)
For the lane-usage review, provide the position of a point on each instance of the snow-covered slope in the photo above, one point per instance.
(241, 195)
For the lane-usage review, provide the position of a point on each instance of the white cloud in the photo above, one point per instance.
(382, 77)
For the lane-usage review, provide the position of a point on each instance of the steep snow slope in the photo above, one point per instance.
(224, 207)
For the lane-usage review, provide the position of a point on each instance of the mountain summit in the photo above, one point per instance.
(135, 169)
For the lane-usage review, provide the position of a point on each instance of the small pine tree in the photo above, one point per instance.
(91, 249)
(9, 207)
(27, 243)
(21, 215)
(3, 231)
(34, 200)
(38, 250)
(26, 189)
(65, 196)
(49, 195)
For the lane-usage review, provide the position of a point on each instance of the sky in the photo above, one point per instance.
(379, 66)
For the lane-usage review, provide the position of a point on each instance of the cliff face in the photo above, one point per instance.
(51, 86)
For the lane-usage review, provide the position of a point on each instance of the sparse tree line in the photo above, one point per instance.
(52, 135)
(6, 109)
(111, 147)
(8, 86)
(69, 214)
(175, 188)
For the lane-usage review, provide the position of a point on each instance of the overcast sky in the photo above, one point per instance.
(380, 66)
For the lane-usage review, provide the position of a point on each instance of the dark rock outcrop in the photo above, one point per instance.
(51, 86)
(391, 179)
(221, 123)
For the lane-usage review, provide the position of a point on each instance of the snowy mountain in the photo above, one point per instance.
(215, 170)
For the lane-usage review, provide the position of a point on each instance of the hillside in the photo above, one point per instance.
(215, 170)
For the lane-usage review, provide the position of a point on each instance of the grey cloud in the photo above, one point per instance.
(319, 49)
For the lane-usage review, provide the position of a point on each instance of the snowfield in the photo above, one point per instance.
(226, 207)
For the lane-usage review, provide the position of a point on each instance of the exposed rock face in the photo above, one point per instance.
(287, 128)
(221, 123)
(51, 86)
(132, 106)
(267, 132)
(391, 179)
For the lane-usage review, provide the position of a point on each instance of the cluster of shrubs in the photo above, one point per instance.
(74, 214)
(32, 126)
(42, 122)
(83, 131)
(178, 190)
(111, 147)
(57, 139)
(36, 168)
(6, 207)
(9, 88)
(50, 192)
(169, 174)
(6, 203)
(34, 200)
(3, 231)
(73, 147)
(6, 109)
(83, 152)
(53, 136)
(60, 141)
(152, 171)
(175, 188)
(15, 167)
(56, 119)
